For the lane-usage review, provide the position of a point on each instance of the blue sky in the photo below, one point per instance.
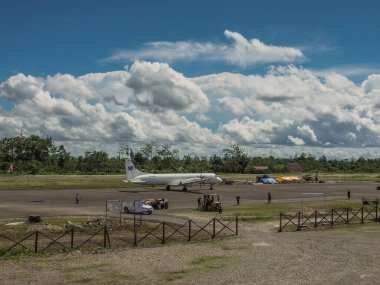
(222, 56)
(48, 37)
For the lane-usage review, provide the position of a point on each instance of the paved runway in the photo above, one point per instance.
(54, 202)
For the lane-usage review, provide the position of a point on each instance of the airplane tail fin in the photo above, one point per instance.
(130, 170)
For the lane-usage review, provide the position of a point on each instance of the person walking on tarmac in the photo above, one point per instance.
(269, 198)
(77, 197)
(237, 200)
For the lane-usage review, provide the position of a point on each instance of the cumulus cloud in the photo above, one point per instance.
(372, 83)
(307, 132)
(158, 87)
(249, 131)
(249, 52)
(241, 52)
(137, 105)
(318, 110)
(296, 141)
(287, 109)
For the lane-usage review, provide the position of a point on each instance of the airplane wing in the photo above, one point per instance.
(190, 181)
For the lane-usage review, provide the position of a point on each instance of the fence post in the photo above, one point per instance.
(299, 221)
(105, 236)
(213, 228)
(134, 231)
(315, 219)
(237, 225)
(332, 217)
(376, 213)
(72, 238)
(347, 216)
(189, 231)
(362, 215)
(280, 229)
(108, 239)
(163, 232)
(36, 243)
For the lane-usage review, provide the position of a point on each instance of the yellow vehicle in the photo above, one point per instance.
(308, 177)
(212, 202)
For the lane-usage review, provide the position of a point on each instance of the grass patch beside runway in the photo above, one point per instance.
(334, 177)
(63, 182)
(260, 212)
(116, 181)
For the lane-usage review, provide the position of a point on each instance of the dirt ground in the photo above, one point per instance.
(259, 255)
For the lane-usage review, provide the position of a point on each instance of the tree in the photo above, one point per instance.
(124, 151)
(216, 163)
(236, 159)
(147, 151)
(166, 158)
(95, 162)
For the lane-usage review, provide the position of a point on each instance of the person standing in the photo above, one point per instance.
(77, 197)
(348, 194)
(269, 198)
(237, 200)
(199, 203)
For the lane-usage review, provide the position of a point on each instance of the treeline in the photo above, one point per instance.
(36, 155)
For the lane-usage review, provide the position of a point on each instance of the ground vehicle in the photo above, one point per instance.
(211, 202)
(370, 200)
(130, 208)
(159, 203)
(308, 177)
(265, 179)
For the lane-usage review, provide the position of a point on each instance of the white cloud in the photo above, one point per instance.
(349, 70)
(151, 102)
(245, 52)
(318, 110)
(296, 141)
(158, 87)
(242, 52)
(372, 83)
(233, 104)
(249, 131)
(307, 132)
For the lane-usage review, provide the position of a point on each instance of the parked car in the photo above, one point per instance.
(130, 208)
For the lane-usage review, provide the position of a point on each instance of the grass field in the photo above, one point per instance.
(116, 181)
(336, 177)
(261, 212)
(63, 181)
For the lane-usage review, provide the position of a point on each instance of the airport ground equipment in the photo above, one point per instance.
(308, 177)
(212, 202)
(370, 201)
(159, 203)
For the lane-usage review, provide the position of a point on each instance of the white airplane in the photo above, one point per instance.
(172, 179)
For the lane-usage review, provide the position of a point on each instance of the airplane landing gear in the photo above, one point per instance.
(167, 187)
(184, 188)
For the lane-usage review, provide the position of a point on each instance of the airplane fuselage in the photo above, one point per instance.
(176, 179)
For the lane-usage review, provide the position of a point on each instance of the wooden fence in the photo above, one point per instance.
(143, 233)
(300, 220)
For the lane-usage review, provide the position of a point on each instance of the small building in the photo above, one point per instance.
(261, 169)
(295, 167)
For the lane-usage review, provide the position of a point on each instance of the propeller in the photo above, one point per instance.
(200, 183)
